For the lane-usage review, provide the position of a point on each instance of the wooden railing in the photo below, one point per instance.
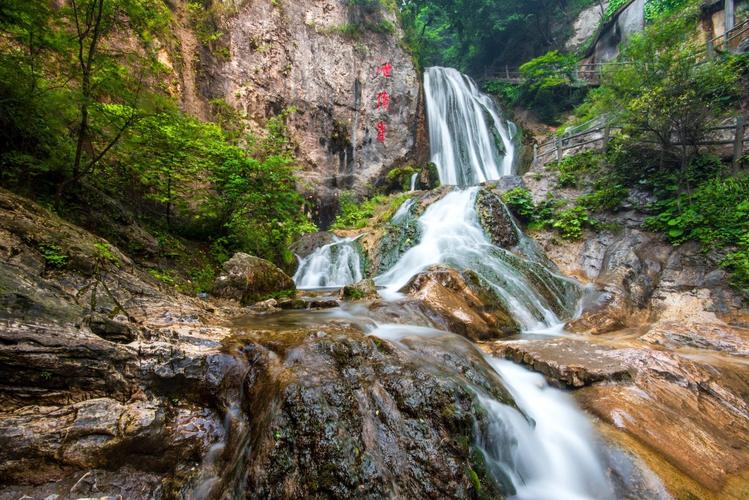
(596, 134)
(731, 40)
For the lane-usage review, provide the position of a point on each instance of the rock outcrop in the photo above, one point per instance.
(324, 60)
(249, 279)
(115, 385)
(461, 303)
(692, 410)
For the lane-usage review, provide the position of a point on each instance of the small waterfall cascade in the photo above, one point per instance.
(451, 235)
(553, 457)
(334, 265)
(414, 178)
(470, 141)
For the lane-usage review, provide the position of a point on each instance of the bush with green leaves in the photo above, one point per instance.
(53, 255)
(716, 215)
(575, 169)
(549, 85)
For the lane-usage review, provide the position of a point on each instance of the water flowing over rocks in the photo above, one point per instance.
(462, 303)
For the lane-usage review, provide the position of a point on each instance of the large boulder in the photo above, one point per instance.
(496, 220)
(461, 304)
(250, 279)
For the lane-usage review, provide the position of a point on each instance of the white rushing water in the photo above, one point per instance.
(543, 450)
(334, 265)
(414, 178)
(451, 235)
(470, 141)
(553, 457)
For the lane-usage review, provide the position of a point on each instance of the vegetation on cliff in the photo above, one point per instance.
(84, 106)
(665, 96)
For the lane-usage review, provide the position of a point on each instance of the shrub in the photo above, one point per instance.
(570, 222)
(53, 255)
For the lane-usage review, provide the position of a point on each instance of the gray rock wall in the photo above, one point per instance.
(311, 56)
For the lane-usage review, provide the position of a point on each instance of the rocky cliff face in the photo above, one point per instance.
(324, 59)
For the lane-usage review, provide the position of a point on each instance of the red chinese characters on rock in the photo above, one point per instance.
(381, 129)
(385, 70)
(383, 100)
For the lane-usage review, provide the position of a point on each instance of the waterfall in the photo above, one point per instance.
(553, 457)
(544, 448)
(452, 235)
(414, 177)
(470, 141)
(334, 265)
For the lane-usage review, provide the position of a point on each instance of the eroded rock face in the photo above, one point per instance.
(282, 54)
(250, 279)
(461, 303)
(342, 415)
(112, 385)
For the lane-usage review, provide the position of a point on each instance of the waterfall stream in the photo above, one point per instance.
(470, 141)
(545, 448)
(334, 265)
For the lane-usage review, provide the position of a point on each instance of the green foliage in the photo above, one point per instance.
(570, 222)
(655, 9)
(399, 178)
(665, 102)
(607, 196)
(574, 169)
(473, 35)
(615, 5)
(549, 85)
(510, 93)
(103, 253)
(53, 255)
(163, 276)
(377, 209)
(520, 201)
(716, 215)
(356, 215)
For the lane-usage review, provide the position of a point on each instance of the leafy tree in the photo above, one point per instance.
(665, 99)
(478, 35)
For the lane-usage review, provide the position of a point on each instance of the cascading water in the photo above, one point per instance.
(545, 450)
(470, 141)
(451, 235)
(334, 265)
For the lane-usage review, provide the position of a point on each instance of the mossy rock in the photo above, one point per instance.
(250, 279)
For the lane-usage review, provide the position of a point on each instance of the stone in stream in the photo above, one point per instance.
(250, 279)
(363, 290)
(461, 304)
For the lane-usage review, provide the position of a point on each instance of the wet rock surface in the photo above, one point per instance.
(248, 279)
(496, 220)
(686, 403)
(461, 303)
(115, 386)
(340, 415)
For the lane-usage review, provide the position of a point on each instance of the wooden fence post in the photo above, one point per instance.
(507, 72)
(738, 143)
(606, 137)
(710, 48)
(559, 149)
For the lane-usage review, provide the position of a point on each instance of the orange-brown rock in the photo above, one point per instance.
(461, 303)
